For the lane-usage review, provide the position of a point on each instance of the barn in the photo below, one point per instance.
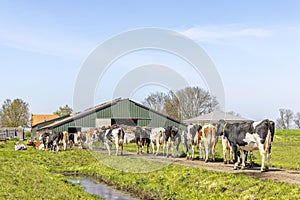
(118, 111)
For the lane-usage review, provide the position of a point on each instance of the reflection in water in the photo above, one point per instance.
(99, 189)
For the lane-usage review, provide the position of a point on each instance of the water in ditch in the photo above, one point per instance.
(102, 190)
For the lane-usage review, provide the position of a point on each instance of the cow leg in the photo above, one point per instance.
(251, 159)
(236, 157)
(117, 148)
(157, 148)
(152, 145)
(107, 147)
(192, 152)
(90, 144)
(172, 149)
(243, 159)
(167, 155)
(224, 155)
(206, 153)
(213, 153)
(268, 158)
(230, 151)
(177, 149)
(65, 145)
(137, 146)
(122, 149)
(164, 152)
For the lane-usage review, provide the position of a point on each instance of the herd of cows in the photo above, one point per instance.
(237, 139)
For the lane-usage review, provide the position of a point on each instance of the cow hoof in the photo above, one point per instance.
(225, 162)
(206, 160)
(243, 167)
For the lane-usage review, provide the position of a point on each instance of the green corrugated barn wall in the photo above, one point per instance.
(124, 109)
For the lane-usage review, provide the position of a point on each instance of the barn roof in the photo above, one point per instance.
(215, 116)
(39, 118)
(96, 109)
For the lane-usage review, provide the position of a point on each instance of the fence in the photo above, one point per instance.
(10, 133)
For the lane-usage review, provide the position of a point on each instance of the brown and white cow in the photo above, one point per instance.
(227, 149)
(207, 137)
(142, 139)
(157, 138)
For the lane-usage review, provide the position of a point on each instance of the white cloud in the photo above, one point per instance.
(208, 33)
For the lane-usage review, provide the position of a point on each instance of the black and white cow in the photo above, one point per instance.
(53, 141)
(171, 137)
(114, 135)
(190, 139)
(142, 139)
(248, 136)
(44, 138)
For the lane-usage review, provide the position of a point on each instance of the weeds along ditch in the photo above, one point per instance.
(33, 174)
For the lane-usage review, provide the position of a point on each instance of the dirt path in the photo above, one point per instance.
(275, 174)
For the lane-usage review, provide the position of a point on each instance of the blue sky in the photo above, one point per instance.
(255, 47)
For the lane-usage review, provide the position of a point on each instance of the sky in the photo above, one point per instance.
(254, 45)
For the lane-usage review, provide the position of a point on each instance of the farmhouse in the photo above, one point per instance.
(118, 111)
(214, 117)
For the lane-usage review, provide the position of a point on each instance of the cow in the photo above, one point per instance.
(249, 136)
(36, 144)
(53, 141)
(171, 134)
(208, 139)
(64, 139)
(188, 139)
(227, 149)
(44, 138)
(142, 139)
(175, 142)
(19, 147)
(71, 139)
(268, 152)
(114, 135)
(157, 137)
(129, 133)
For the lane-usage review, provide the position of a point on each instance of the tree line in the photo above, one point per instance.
(287, 118)
(182, 104)
(16, 113)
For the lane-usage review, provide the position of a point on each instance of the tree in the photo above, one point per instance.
(63, 111)
(185, 103)
(14, 113)
(285, 119)
(156, 101)
(297, 119)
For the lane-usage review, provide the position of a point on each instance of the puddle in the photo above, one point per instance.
(102, 190)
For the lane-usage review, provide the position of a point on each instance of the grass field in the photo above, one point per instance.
(34, 174)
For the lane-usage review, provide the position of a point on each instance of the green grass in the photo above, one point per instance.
(285, 151)
(27, 175)
(33, 174)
